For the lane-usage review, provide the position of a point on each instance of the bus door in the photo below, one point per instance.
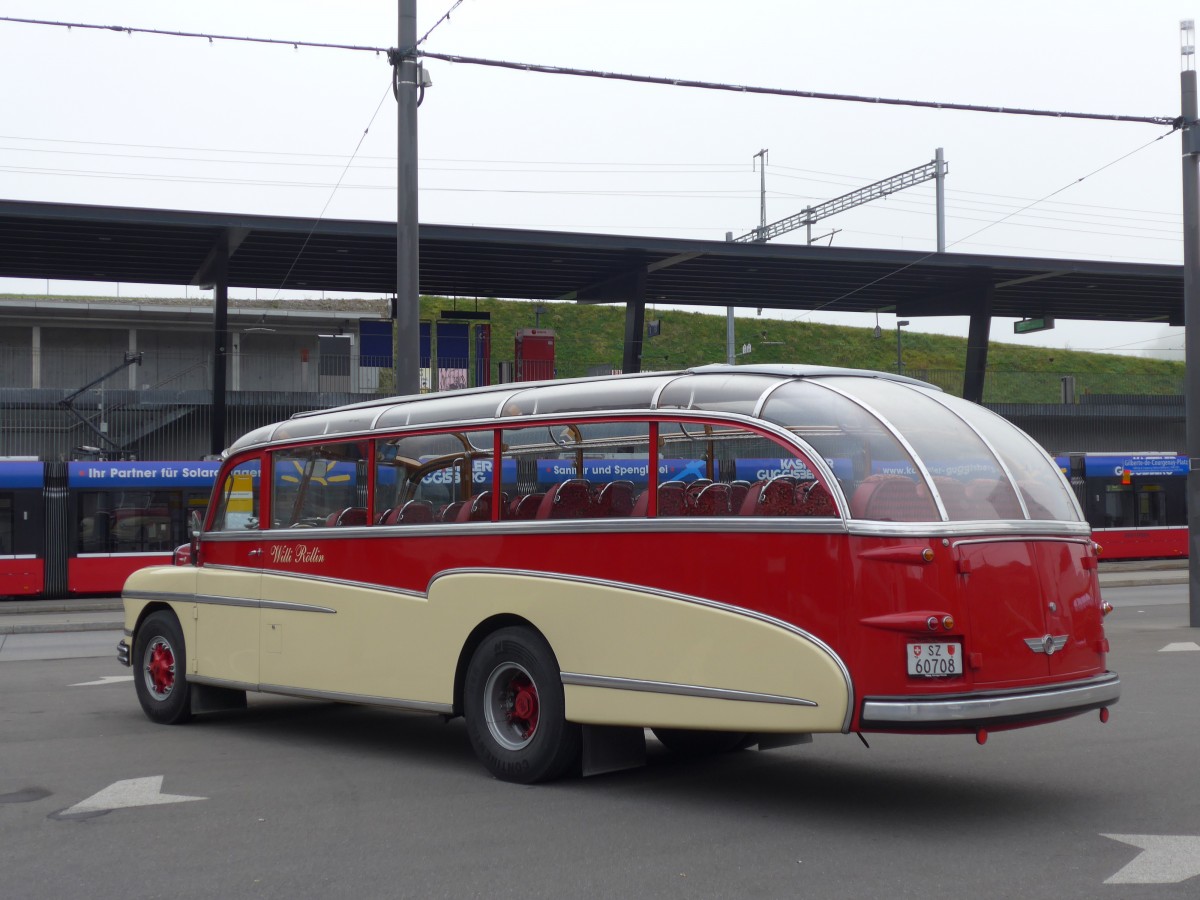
(229, 580)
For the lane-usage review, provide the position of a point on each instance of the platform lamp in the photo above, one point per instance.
(899, 353)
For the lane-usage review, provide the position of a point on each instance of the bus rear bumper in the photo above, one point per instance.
(966, 712)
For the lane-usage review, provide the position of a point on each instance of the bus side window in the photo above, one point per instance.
(319, 487)
(732, 471)
(237, 506)
(583, 470)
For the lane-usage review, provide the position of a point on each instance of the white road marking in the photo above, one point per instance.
(127, 794)
(1185, 645)
(109, 679)
(1165, 859)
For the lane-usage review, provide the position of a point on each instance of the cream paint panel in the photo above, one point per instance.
(372, 645)
(393, 645)
(604, 706)
(226, 643)
(607, 630)
(167, 582)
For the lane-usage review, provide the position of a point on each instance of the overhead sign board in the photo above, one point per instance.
(1025, 326)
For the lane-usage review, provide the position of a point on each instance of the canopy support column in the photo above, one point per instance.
(977, 344)
(635, 322)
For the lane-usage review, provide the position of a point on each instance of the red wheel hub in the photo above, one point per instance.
(161, 667)
(524, 713)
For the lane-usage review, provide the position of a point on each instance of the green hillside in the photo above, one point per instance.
(593, 335)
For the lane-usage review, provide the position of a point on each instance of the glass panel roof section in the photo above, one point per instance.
(587, 396)
(450, 408)
(717, 392)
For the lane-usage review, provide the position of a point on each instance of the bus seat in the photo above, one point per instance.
(450, 513)
(996, 497)
(641, 506)
(778, 497)
(737, 494)
(614, 500)
(899, 500)
(672, 499)
(711, 500)
(332, 519)
(567, 500)
(479, 509)
(860, 502)
(352, 515)
(525, 507)
(414, 512)
(954, 497)
(391, 512)
(815, 500)
(750, 499)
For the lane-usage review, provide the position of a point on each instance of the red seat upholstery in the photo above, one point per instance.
(737, 494)
(899, 499)
(778, 498)
(672, 499)
(614, 500)
(525, 507)
(710, 500)
(414, 512)
(450, 512)
(994, 499)
(479, 509)
(814, 500)
(567, 500)
(351, 515)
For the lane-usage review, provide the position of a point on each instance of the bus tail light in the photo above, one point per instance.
(1104, 714)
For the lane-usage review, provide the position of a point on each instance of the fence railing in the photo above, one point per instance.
(162, 407)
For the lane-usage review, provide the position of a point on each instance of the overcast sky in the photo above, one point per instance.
(139, 120)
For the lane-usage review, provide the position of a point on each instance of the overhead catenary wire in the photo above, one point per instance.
(1174, 121)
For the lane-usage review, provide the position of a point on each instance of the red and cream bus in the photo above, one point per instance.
(726, 555)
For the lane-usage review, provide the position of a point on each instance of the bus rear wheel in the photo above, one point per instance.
(515, 710)
(160, 661)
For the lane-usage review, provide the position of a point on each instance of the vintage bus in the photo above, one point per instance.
(727, 555)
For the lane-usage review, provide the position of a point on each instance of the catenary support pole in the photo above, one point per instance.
(407, 324)
(940, 185)
(1191, 318)
(220, 276)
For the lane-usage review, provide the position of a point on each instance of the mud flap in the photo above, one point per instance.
(612, 748)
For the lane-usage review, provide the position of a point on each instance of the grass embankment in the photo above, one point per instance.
(593, 335)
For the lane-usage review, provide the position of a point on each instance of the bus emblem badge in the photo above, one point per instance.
(1047, 643)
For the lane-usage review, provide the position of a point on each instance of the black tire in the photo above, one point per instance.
(515, 710)
(159, 667)
(689, 742)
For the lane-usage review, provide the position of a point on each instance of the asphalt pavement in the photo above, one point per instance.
(75, 614)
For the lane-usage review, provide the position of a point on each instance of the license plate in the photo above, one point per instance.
(934, 660)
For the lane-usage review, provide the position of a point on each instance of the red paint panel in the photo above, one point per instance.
(107, 574)
(21, 577)
(1143, 543)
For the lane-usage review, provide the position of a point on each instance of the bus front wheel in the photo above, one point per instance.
(160, 661)
(515, 710)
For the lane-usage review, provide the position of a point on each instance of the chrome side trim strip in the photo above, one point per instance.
(163, 553)
(296, 607)
(20, 555)
(222, 682)
(168, 596)
(220, 600)
(427, 706)
(682, 690)
(1008, 540)
(1011, 528)
(1098, 691)
(686, 598)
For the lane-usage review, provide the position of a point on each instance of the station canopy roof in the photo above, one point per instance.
(170, 247)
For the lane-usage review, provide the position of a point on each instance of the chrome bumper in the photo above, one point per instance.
(957, 711)
(122, 652)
